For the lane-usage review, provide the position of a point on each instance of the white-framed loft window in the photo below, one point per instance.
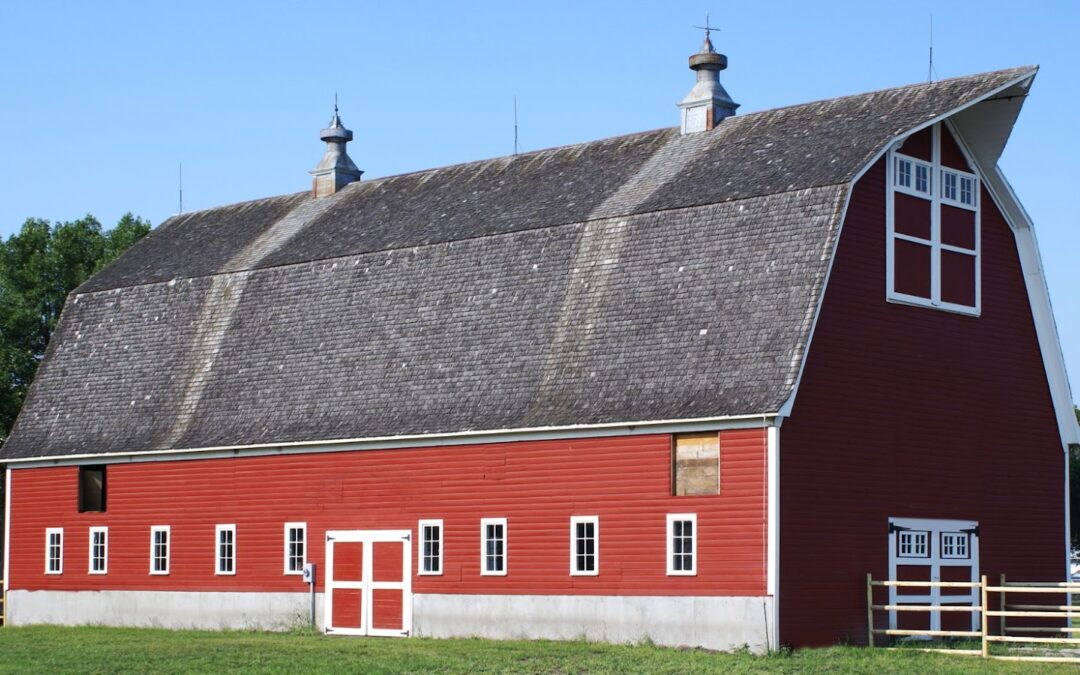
(431, 547)
(682, 544)
(584, 545)
(295, 547)
(913, 544)
(225, 549)
(493, 546)
(933, 243)
(159, 549)
(54, 550)
(99, 550)
(954, 545)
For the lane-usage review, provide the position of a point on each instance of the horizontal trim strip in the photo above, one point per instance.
(412, 441)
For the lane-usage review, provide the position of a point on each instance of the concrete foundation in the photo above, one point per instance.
(712, 622)
(163, 609)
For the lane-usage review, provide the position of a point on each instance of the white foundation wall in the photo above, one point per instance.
(712, 622)
(164, 609)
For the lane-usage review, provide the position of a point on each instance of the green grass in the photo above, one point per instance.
(51, 649)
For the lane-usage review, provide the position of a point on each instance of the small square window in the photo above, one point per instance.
(493, 546)
(295, 547)
(225, 549)
(431, 547)
(584, 544)
(682, 544)
(159, 549)
(954, 545)
(913, 544)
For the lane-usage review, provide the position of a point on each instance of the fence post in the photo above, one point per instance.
(869, 610)
(985, 622)
(1001, 601)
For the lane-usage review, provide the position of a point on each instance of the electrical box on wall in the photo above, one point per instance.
(309, 573)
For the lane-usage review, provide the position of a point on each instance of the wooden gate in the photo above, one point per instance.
(368, 582)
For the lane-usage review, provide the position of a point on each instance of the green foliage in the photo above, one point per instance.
(39, 267)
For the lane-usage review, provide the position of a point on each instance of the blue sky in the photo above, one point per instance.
(100, 102)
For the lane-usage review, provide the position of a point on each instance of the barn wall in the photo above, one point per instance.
(911, 412)
(537, 486)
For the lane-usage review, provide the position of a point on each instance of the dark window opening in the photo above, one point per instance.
(92, 488)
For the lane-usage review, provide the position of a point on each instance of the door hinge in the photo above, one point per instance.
(405, 633)
(407, 537)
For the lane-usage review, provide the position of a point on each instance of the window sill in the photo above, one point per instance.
(947, 307)
(433, 574)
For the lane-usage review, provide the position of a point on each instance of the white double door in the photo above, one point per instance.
(368, 583)
(925, 549)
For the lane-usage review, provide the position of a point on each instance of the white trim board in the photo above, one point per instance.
(720, 423)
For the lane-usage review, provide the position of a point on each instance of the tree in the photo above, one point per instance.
(39, 267)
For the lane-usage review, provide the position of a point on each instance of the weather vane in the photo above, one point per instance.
(707, 28)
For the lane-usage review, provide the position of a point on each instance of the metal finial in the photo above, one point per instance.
(707, 28)
(335, 98)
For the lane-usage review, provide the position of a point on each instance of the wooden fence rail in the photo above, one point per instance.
(1005, 610)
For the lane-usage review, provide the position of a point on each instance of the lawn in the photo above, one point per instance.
(50, 649)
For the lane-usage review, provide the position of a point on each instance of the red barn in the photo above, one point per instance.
(688, 384)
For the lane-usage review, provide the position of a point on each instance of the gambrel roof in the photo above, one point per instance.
(648, 277)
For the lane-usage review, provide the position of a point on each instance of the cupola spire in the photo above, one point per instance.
(336, 170)
(707, 103)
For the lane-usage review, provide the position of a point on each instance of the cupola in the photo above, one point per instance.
(707, 103)
(336, 170)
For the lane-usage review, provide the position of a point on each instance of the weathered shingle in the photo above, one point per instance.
(647, 277)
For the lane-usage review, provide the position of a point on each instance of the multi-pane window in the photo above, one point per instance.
(225, 549)
(682, 544)
(99, 550)
(295, 542)
(54, 550)
(584, 540)
(431, 548)
(933, 243)
(493, 546)
(913, 544)
(159, 549)
(954, 545)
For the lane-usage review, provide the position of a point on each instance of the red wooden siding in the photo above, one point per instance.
(913, 412)
(537, 486)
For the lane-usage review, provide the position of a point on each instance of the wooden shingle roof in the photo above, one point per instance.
(647, 277)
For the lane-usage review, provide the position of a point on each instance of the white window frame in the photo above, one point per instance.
(154, 531)
(959, 539)
(584, 520)
(484, 571)
(104, 532)
(672, 518)
(218, 559)
(936, 246)
(49, 533)
(422, 543)
(289, 527)
(917, 538)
